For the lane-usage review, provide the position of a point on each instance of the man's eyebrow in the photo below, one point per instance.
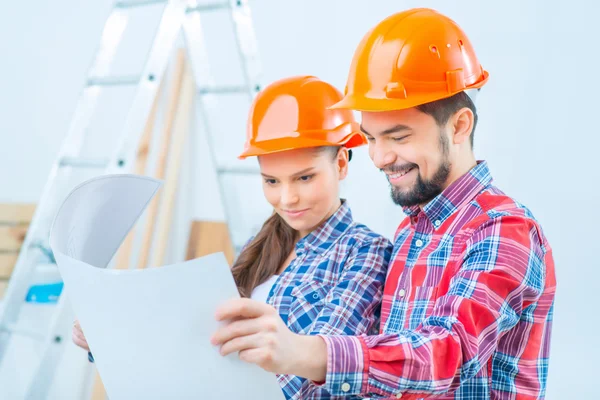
(389, 131)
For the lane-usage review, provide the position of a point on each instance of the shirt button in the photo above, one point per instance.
(345, 387)
(399, 396)
(402, 292)
(419, 243)
(437, 223)
(315, 296)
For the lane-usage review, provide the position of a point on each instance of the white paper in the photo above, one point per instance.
(148, 329)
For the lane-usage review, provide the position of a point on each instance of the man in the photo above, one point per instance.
(467, 308)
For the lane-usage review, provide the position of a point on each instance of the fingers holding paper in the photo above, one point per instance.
(257, 333)
(78, 336)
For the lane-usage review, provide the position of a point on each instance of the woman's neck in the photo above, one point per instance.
(332, 211)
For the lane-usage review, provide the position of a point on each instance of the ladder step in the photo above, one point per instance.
(223, 89)
(238, 171)
(13, 328)
(214, 6)
(140, 3)
(114, 81)
(83, 162)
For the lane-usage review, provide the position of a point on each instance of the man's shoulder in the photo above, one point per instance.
(493, 208)
(490, 206)
(494, 203)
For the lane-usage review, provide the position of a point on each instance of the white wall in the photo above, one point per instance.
(537, 122)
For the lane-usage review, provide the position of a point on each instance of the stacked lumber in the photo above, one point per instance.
(14, 222)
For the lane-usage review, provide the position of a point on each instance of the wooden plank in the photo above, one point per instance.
(3, 286)
(98, 390)
(12, 237)
(181, 127)
(124, 255)
(162, 160)
(16, 213)
(7, 263)
(207, 237)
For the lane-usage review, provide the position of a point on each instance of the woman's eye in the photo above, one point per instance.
(306, 178)
(270, 181)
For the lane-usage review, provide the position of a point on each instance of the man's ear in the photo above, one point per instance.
(462, 125)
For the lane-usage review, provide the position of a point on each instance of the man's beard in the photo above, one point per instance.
(423, 191)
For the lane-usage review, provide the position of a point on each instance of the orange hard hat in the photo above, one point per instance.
(294, 113)
(411, 58)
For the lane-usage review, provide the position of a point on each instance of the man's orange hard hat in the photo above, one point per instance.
(411, 58)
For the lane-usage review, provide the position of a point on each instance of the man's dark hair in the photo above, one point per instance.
(442, 110)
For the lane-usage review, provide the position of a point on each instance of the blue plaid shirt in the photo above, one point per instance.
(334, 286)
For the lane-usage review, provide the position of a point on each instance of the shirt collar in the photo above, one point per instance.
(461, 191)
(323, 237)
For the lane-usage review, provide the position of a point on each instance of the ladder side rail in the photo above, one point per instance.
(71, 147)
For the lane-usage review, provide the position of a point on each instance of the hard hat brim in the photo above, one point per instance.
(375, 104)
(354, 139)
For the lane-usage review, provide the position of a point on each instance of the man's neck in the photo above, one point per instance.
(459, 169)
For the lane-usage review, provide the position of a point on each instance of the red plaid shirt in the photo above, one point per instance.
(467, 307)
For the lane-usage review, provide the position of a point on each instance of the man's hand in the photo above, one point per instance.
(78, 337)
(257, 332)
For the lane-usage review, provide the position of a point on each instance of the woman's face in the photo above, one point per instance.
(303, 185)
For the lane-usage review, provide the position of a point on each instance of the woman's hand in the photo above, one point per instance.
(78, 337)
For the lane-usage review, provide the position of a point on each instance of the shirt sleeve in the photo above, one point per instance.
(500, 275)
(352, 307)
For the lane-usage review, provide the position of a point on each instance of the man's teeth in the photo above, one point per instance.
(398, 175)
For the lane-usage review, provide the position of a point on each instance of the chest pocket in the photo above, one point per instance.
(308, 300)
(421, 306)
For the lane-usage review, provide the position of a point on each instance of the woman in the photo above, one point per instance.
(322, 271)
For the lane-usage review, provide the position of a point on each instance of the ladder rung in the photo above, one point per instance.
(215, 6)
(83, 162)
(12, 328)
(140, 3)
(223, 89)
(238, 171)
(113, 81)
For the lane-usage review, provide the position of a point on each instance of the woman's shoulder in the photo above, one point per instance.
(361, 242)
(361, 234)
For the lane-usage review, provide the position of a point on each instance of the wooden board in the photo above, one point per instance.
(3, 286)
(124, 255)
(208, 237)
(161, 167)
(14, 222)
(98, 390)
(16, 213)
(182, 124)
(7, 263)
(12, 237)
(173, 111)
